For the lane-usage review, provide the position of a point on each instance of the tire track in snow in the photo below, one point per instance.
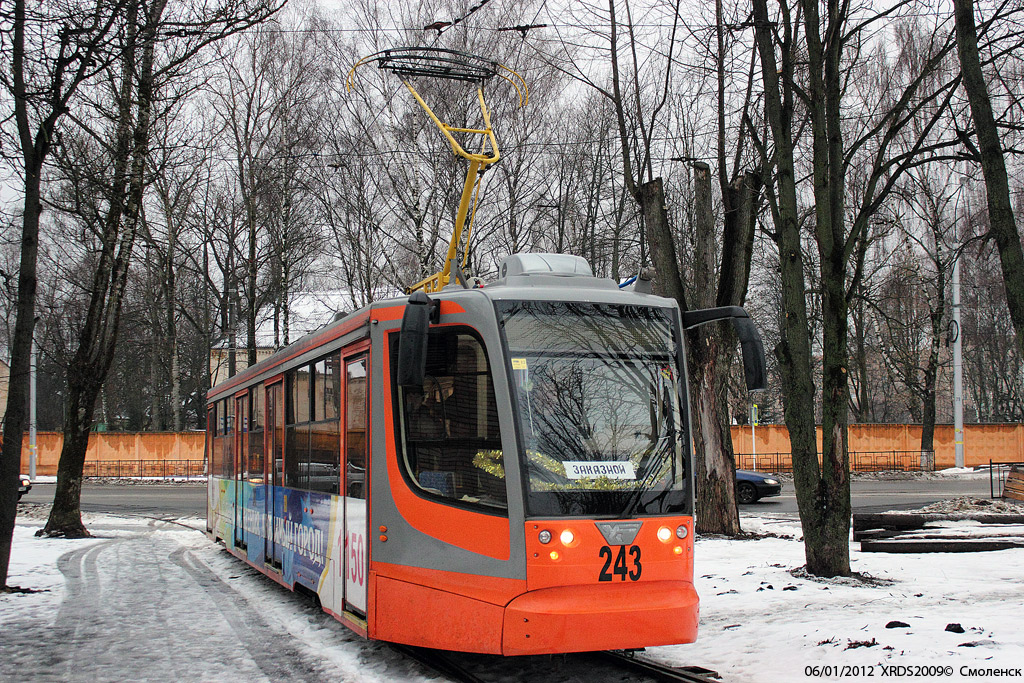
(271, 649)
(76, 625)
(143, 606)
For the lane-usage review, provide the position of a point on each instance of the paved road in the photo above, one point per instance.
(190, 500)
(157, 500)
(871, 495)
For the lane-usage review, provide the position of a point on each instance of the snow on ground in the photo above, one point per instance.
(763, 621)
(958, 471)
(156, 600)
(196, 479)
(971, 506)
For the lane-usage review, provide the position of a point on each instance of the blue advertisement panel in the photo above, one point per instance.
(302, 531)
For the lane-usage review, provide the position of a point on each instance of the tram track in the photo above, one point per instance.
(662, 672)
(588, 666)
(439, 662)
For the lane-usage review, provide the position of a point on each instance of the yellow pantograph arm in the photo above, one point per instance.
(437, 62)
(472, 215)
(477, 163)
(448, 130)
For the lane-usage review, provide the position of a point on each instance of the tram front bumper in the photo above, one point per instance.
(587, 618)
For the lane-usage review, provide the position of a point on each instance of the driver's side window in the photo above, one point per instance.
(449, 441)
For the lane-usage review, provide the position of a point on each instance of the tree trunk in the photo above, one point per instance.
(863, 403)
(250, 294)
(993, 166)
(98, 337)
(709, 347)
(931, 370)
(826, 523)
(793, 351)
(172, 328)
(16, 414)
(827, 527)
(651, 197)
(66, 515)
(715, 466)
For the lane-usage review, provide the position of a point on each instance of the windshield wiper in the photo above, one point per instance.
(670, 437)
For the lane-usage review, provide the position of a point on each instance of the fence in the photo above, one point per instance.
(860, 461)
(872, 447)
(981, 441)
(146, 468)
(997, 473)
(106, 449)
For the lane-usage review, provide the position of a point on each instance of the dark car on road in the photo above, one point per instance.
(752, 486)
(24, 485)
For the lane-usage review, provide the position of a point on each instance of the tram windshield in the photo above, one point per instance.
(598, 400)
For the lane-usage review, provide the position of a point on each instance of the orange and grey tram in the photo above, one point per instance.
(500, 469)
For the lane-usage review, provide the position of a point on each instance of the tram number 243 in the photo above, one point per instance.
(620, 567)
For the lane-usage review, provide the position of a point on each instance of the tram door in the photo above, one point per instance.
(241, 463)
(274, 498)
(356, 449)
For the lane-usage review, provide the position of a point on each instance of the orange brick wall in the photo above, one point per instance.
(982, 442)
(108, 446)
(998, 442)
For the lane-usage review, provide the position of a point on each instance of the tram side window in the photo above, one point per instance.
(214, 440)
(296, 430)
(324, 429)
(450, 443)
(312, 441)
(256, 397)
(227, 469)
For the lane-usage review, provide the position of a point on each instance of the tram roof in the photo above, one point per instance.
(576, 287)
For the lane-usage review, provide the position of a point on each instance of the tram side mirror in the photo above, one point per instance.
(752, 348)
(412, 344)
(754, 367)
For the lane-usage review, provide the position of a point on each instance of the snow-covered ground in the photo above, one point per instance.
(155, 600)
(763, 621)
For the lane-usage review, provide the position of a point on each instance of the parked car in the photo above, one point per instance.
(24, 486)
(752, 486)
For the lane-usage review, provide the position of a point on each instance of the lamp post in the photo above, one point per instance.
(753, 423)
(32, 411)
(958, 360)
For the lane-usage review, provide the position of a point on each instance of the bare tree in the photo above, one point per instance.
(989, 153)
(134, 81)
(883, 142)
(639, 92)
(912, 301)
(54, 50)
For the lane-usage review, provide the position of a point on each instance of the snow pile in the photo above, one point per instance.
(781, 527)
(969, 504)
(33, 511)
(957, 471)
(196, 480)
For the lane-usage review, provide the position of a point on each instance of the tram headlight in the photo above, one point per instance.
(664, 533)
(544, 536)
(682, 531)
(567, 537)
